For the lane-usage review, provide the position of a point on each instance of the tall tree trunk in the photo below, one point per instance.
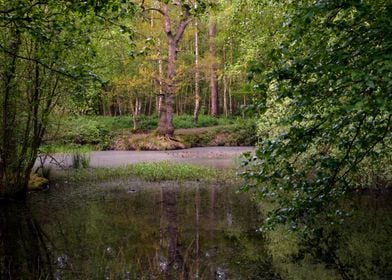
(231, 99)
(165, 126)
(160, 71)
(225, 111)
(213, 70)
(134, 114)
(197, 75)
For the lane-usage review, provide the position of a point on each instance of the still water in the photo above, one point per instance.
(134, 230)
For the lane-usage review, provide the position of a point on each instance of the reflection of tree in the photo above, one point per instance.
(197, 220)
(213, 205)
(175, 268)
(23, 252)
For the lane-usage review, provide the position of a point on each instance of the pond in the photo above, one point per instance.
(134, 230)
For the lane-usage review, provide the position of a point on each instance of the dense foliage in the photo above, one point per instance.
(328, 123)
(44, 55)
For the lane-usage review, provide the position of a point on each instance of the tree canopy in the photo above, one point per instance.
(328, 118)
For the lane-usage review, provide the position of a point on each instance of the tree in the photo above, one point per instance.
(41, 49)
(165, 126)
(329, 112)
(196, 110)
(174, 34)
(213, 69)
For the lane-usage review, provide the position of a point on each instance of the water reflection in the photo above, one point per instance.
(24, 251)
(159, 231)
(173, 266)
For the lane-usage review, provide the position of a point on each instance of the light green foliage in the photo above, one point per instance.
(42, 52)
(329, 94)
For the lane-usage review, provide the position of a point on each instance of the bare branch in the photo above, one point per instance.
(144, 9)
(154, 9)
(183, 23)
(167, 21)
(181, 29)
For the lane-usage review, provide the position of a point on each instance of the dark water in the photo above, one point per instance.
(134, 230)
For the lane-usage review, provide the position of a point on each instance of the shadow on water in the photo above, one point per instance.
(138, 230)
(23, 245)
(134, 230)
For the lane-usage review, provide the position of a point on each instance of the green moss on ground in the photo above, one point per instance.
(37, 183)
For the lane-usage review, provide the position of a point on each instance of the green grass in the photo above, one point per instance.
(184, 121)
(153, 172)
(64, 148)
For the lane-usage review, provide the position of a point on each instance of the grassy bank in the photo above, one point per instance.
(239, 134)
(151, 172)
(90, 133)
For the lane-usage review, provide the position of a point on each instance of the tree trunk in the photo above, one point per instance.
(160, 70)
(197, 76)
(231, 99)
(225, 110)
(213, 70)
(165, 126)
(12, 182)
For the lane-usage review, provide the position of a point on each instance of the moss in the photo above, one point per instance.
(37, 183)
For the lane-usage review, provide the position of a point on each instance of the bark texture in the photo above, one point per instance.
(213, 70)
(165, 126)
(197, 76)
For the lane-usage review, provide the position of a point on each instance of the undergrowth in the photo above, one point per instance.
(89, 133)
(97, 130)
